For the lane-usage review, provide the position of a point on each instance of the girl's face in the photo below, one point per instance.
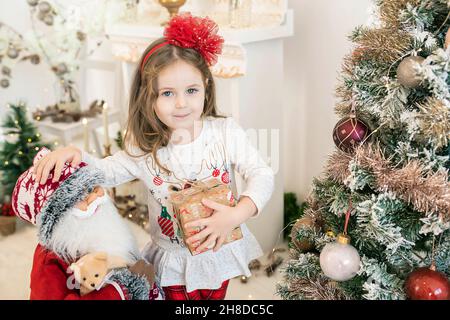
(181, 96)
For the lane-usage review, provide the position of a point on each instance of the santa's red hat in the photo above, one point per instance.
(45, 204)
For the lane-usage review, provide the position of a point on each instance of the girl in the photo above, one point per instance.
(174, 137)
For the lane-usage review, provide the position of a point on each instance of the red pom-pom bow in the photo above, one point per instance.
(187, 31)
(197, 33)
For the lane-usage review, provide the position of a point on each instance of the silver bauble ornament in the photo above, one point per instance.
(406, 72)
(4, 83)
(44, 7)
(48, 20)
(12, 53)
(41, 15)
(6, 70)
(33, 3)
(339, 260)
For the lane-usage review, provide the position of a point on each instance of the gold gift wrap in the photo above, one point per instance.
(187, 205)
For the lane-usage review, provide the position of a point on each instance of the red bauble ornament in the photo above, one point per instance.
(427, 284)
(157, 181)
(350, 132)
(225, 177)
(216, 173)
(6, 210)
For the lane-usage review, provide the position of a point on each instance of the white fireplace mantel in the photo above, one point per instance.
(130, 40)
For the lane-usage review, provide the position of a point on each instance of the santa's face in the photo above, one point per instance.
(98, 192)
(90, 204)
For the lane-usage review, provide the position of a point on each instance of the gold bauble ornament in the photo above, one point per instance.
(406, 72)
(302, 245)
(331, 234)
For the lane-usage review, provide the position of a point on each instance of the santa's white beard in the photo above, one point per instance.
(105, 231)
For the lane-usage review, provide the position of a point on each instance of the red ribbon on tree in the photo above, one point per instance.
(347, 216)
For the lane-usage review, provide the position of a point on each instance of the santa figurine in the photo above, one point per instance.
(75, 217)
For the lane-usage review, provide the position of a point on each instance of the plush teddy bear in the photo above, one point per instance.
(91, 269)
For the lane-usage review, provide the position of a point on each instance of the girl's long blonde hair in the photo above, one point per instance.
(144, 130)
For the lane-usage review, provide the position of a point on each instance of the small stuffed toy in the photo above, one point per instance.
(91, 269)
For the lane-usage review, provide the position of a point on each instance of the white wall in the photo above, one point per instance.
(313, 57)
(33, 84)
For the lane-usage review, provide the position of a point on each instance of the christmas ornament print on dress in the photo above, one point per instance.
(157, 181)
(166, 223)
(215, 173)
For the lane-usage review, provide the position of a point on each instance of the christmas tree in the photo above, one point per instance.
(377, 222)
(22, 143)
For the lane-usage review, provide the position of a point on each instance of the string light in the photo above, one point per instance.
(29, 140)
(20, 153)
(37, 148)
(38, 135)
(56, 143)
(330, 234)
(6, 163)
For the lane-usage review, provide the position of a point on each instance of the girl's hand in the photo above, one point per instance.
(56, 159)
(221, 223)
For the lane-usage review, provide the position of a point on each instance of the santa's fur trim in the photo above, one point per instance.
(138, 286)
(69, 193)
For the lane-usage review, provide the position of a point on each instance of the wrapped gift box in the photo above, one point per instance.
(188, 206)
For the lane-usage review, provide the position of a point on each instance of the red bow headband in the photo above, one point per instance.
(187, 31)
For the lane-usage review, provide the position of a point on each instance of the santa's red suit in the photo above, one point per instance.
(49, 206)
(51, 280)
